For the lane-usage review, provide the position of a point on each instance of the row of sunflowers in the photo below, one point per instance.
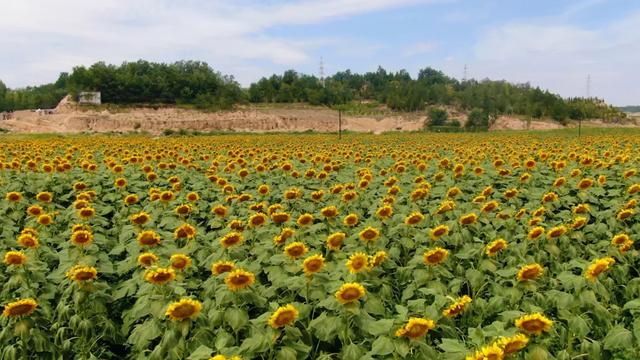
(416, 246)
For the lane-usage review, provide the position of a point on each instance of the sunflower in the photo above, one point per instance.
(619, 239)
(140, 218)
(81, 273)
(457, 307)
(192, 196)
(167, 196)
(578, 222)
(313, 264)
(131, 199)
(13, 196)
(263, 189)
(179, 261)
(358, 262)
(384, 212)
(492, 352)
(160, 276)
(16, 258)
(147, 259)
(334, 241)
(468, 219)
(626, 246)
(453, 192)
(45, 197)
(184, 309)
(489, 206)
(22, 307)
(350, 220)
(220, 267)
(184, 231)
(559, 181)
(304, 219)
(597, 267)
(219, 210)
(350, 292)
(183, 210)
(148, 238)
(120, 183)
(556, 232)
(231, 239)
(534, 324)
(511, 193)
(82, 238)
(239, 279)
(549, 197)
(625, 214)
(439, 231)
(513, 344)
(581, 209)
(535, 233)
(35, 210)
(28, 240)
(257, 219)
(435, 256)
(295, 250)
(369, 234)
(530, 272)
(377, 259)
(329, 212)
(494, 247)
(520, 213)
(45, 219)
(283, 316)
(416, 328)
(585, 184)
(414, 218)
(445, 206)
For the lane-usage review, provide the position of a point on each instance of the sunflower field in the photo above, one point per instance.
(395, 246)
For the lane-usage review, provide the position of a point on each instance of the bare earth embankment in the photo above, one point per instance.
(69, 118)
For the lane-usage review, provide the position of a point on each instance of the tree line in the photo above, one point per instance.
(193, 83)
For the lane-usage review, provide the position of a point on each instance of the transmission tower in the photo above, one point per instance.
(321, 72)
(588, 86)
(464, 76)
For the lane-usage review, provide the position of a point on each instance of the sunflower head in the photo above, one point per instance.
(231, 239)
(457, 307)
(438, 232)
(416, 328)
(184, 309)
(81, 273)
(19, 308)
(184, 231)
(435, 256)
(598, 266)
(369, 234)
(494, 247)
(295, 250)
(15, 258)
(147, 259)
(179, 261)
(530, 272)
(313, 264)
(350, 292)
(160, 276)
(335, 240)
(239, 279)
(220, 267)
(534, 324)
(283, 316)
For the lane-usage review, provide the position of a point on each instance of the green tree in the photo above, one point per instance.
(437, 117)
(477, 118)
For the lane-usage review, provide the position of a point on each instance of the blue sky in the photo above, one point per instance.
(551, 44)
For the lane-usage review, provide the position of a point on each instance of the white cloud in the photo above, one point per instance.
(559, 57)
(51, 36)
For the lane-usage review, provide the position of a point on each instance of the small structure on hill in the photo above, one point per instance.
(89, 98)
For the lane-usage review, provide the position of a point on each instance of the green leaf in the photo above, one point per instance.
(286, 353)
(352, 352)
(452, 346)
(618, 338)
(382, 346)
(202, 352)
(632, 305)
(379, 327)
(236, 318)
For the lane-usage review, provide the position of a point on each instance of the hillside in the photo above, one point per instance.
(68, 117)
